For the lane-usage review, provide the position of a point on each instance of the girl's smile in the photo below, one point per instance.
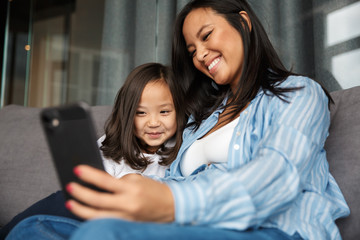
(154, 135)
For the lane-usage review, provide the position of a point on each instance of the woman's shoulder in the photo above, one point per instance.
(296, 89)
(297, 81)
(302, 85)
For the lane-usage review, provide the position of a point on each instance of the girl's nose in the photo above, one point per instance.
(153, 122)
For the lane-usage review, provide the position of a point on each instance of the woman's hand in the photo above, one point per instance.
(132, 197)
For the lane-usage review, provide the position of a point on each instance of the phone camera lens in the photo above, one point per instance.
(55, 122)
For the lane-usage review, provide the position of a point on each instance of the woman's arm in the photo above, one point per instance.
(132, 197)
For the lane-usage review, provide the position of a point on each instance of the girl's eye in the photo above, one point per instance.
(165, 112)
(140, 113)
(192, 54)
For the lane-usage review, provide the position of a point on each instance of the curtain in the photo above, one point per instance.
(138, 31)
(299, 31)
(134, 32)
(84, 49)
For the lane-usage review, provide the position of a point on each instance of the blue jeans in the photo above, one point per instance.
(54, 204)
(52, 227)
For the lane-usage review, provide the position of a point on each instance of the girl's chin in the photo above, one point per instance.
(152, 149)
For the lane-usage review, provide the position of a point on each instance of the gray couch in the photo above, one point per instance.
(27, 173)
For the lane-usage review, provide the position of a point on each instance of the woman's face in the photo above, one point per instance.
(215, 46)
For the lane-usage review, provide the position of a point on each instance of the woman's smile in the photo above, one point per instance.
(215, 46)
(213, 65)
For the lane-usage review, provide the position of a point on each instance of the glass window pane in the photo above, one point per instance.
(343, 24)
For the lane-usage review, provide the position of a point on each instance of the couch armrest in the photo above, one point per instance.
(343, 154)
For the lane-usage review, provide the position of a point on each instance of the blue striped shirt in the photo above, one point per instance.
(276, 175)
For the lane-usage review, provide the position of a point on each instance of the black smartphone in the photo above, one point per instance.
(71, 138)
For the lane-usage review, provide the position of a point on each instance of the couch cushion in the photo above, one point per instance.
(27, 173)
(343, 153)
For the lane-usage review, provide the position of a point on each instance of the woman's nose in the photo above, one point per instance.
(201, 53)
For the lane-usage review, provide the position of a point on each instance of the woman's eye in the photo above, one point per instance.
(206, 36)
(192, 54)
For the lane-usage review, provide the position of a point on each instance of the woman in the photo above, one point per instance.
(252, 163)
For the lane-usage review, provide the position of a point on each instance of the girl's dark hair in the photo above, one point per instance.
(120, 143)
(262, 66)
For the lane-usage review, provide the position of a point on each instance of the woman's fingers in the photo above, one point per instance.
(96, 177)
(86, 212)
(91, 197)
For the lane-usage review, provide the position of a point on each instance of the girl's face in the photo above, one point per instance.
(215, 46)
(155, 119)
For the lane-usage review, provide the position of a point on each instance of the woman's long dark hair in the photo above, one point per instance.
(262, 66)
(120, 143)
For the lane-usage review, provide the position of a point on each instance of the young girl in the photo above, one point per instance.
(142, 134)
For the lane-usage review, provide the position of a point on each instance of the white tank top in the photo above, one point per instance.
(210, 149)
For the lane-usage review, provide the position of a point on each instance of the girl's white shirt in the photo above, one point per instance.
(118, 170)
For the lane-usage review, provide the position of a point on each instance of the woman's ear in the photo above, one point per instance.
(245, 16)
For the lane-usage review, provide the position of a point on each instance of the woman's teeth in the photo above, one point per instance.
(213, 63)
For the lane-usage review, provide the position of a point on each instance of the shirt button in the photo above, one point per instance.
(236, 147)
(245, 112)
(238, 133)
